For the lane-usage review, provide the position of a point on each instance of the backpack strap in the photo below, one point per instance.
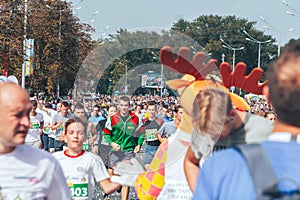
(259, 166)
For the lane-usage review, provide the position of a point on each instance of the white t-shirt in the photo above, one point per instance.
(28, 173)
(47, 121)
(47, 126)
(80, 172)
(33, 133)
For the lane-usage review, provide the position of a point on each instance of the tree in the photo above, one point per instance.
(61, 42)
(140, 49)
(208, 29)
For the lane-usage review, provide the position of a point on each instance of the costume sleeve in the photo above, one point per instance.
(107, 131)
(149, 184)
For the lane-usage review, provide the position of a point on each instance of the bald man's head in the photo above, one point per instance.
(12, 90)
(14, 116)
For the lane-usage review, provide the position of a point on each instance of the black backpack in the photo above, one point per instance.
(263, 177)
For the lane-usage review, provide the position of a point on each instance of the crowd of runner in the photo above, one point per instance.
(74, 145)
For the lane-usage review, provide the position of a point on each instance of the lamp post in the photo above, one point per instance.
(227, 46)
(223, 57)
(126, 74)
(161, 75)
(59, 48)
(161, 80)
(24, 45)
(252, 39)
(292, 14)
(59, 51)
(279, 31)
(297, 14)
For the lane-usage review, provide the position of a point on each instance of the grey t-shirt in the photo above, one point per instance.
(167, 129)
(61, 128)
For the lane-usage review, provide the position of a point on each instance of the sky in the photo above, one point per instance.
(110, 15)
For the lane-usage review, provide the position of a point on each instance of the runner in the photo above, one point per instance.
(33, 137)
(26, 172)
(80, 167)
(120, 133)
(92, 134)
(149, 128)
(95, 118)
(58, 125)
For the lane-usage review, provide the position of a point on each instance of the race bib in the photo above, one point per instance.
(35, 126)
(85, 146)
(79, 189)
(150, 134)
(46, 130)
(61, 128)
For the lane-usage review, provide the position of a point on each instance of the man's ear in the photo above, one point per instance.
(266, 93)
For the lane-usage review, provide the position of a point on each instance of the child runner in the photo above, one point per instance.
(80, 167)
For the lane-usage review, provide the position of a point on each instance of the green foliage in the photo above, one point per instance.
(205, 30)
(61, 42)
(208, 29)
(63, 47)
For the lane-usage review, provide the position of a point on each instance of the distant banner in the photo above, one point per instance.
(151, 80)
(29, 56)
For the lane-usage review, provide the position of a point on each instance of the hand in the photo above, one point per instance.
(127, 171)
(137, 149)
(62, 138)
(157, 135)
(115, 146)
(40, 131)
(91, 141)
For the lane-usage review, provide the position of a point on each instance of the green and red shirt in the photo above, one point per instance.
(123, 132)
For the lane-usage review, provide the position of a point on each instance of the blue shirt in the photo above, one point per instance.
(95, 120)
(225, 175)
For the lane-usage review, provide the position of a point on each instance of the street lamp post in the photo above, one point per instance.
(279, 31)
(292, 14)
(59, 51)
(126, 74)
(252, 39)
(24, 44)
(59, 48)
(223, 57)
(297, 14)
(161, 75)
(227, 46)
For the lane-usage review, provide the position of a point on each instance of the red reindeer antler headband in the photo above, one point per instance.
(199, 71)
